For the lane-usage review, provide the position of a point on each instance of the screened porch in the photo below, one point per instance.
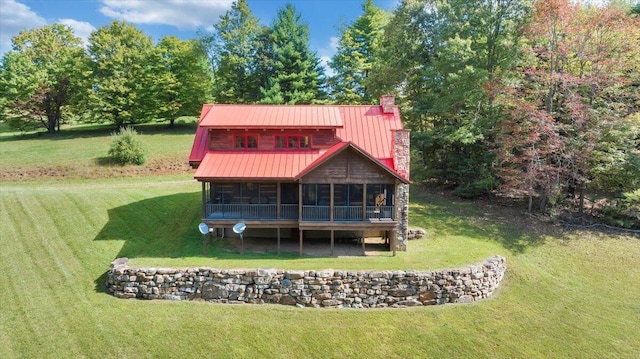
(281, 201)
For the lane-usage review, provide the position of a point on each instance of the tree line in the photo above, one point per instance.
(530, 99)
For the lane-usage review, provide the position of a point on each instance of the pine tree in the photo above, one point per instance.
(354, 57)
(296, 69)
(233, 52)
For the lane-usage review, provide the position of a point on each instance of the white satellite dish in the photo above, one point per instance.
(203, 228)
(239, 228)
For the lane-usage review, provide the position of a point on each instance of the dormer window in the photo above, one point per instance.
(246, 141)
(293, 141)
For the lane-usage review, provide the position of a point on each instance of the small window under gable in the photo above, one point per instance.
(293, 141)
(246, 141)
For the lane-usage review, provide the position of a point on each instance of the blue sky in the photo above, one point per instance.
(183, 18)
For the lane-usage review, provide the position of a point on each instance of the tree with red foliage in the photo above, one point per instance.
(577, 81)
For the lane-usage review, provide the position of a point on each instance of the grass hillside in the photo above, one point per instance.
(565, 294)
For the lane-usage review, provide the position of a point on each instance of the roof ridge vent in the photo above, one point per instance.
(387, 102)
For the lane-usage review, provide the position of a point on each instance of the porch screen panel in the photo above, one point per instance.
(289, 193)
(316, 194)
(268, 193)
(373, 190)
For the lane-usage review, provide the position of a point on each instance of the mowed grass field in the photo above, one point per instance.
(565, 294)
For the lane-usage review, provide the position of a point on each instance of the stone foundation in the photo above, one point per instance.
(326, 288)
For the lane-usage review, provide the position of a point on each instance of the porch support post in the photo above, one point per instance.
(278, 208)
(364, 252)
(392, 240)
(204, 199)
(301, 235)
(300, 202)
(331, 203)
(395, 202)
(278, 230)
(364, 202)
(332, 237)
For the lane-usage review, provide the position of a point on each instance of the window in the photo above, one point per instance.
(293, 141)
(246, 141)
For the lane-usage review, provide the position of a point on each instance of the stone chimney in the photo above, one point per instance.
(401, 160)
(400, 146)
(387, 102)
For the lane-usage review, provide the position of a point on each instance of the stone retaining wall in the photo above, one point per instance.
(326, 288)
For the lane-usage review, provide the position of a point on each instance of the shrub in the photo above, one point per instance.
(626, 213)
(126, 148)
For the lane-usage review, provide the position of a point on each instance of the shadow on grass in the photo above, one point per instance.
(167, 227)
(481, 220)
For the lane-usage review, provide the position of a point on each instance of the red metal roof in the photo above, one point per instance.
(271, 116)
(254, 164)
(366, 127)
(369, 128)
(199, 148)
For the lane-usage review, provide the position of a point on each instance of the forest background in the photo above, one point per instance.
(533, 100)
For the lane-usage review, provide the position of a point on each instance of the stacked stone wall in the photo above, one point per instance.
(326, 288)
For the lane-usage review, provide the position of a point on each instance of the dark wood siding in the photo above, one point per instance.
(221, 140)
(349, 167)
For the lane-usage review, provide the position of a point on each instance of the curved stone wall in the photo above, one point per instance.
(326, 288)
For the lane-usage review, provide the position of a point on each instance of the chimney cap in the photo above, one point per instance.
(387, 102)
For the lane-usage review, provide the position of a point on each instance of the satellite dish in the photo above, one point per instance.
(239, 227)
(203, 228)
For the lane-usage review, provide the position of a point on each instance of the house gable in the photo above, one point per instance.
(348, 165)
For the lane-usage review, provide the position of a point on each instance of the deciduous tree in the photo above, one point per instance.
(443, 58)
(124, 84)
(188, 80)
(579, 74)
(41, 76)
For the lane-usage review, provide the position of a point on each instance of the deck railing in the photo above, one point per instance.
(347, 213)
(290, 211)
(315, 213)
(379, 212)
(241, 211)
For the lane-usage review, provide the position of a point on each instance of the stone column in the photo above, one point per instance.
(401, 160)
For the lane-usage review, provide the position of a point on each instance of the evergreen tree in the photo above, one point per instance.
(354, 57)
(296, 69)
(233, 52)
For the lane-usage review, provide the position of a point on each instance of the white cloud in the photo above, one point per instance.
(81, 29)
(333, 43)
(14, 17)
(183, 14)
(324, 61)
(326, 53)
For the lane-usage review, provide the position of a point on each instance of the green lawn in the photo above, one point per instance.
(86, 146)
(565, 295)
